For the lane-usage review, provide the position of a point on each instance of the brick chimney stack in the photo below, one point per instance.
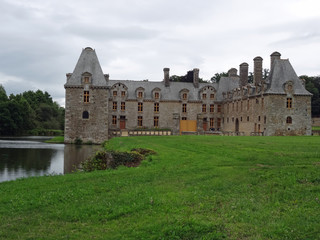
(244, 73)
(274, 56)
(232, 72)
(257, 75)
(166, 77)
(196, 77)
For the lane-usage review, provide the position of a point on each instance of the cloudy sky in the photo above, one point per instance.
(41, 40)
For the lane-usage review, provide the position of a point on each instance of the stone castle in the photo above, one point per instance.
(98, 108)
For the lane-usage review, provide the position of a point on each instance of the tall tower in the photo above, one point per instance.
(86, 115)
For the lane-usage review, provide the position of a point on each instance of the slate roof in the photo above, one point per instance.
(281, 73)
(227, 84)
(88, 62)
(167, 93)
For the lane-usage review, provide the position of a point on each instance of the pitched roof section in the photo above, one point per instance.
(171, 93)
(227, 84)
(281, 73)
(88, 62)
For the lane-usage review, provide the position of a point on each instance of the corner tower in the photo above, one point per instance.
(86, 116)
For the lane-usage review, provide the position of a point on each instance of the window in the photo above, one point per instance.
(241, 106)
(204, 96)
(289, 120)
(140, 94)
(184, 108)
(211, 122)
(211, 96)
(237, 108)
(123, 93)
(265, 119)
(211, 108)
(289, 103)
(139, 121)
(114, 120)
(86, 96)
(156, 95)
(248, 104)
(115, 93)
(262, 102)
(156, 107)
(184, 118)
(204, 108)
(219, 108)
(140, 107)
(247, 118)
(85, 115)
(259, 118)
(233, 106)
(86, 79)
(184, 96)
(156, 122)
(123, 106)
(114, 106)
(219, 123)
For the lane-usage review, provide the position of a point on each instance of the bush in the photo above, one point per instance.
(103, 160)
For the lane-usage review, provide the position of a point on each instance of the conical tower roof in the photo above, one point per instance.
(88, 63)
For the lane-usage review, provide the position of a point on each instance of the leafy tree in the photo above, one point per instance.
(217, 77)
(313, 86)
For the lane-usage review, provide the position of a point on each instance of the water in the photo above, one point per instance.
(31, 156)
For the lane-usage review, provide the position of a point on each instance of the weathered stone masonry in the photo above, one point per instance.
(97, 106)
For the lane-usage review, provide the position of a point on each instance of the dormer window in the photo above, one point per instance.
(156, 95)
(184, 96)
(86, 78)
(115, 93)
(140, 94)
(204, 96)
(211, 96)
(123, 93)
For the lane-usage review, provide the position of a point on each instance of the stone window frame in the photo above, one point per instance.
(114, 93)
(211, 122)
(140, 106)
(184, 94)
(123, 93)
(114, 120)
(212, 95)
(140, 121)
(156, 121)
(123, 106)
(156, 93)
(289, 103)
(86, 78)
(204, 96)
(289, 120)
(156, 107)
(204, 108)
(140, 93)
(85, 115)
(114, 106)
(86, 96)
(219, 108)
(184, 107)
(212, 108)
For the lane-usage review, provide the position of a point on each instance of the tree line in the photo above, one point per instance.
(29, 113)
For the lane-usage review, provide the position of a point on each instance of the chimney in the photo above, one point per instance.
(106, 77)
(166, 76)
(196, 77)
(244, 74)
(232, 72)
(68, 75)
(274, 56)
(257, 74)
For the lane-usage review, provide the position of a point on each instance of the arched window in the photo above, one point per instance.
(289, 120)
(85, 115)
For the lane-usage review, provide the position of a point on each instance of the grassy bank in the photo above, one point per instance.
(196, 187)
(58, 139)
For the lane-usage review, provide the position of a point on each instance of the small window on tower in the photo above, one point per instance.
(86, 96)
(289, 120)
(289, 103)
(85, 115)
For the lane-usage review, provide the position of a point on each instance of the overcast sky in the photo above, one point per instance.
(41, 40)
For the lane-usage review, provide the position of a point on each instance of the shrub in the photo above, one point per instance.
(103, 160)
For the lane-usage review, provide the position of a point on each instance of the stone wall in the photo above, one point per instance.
(95, 128)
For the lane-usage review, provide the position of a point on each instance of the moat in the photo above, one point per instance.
(31, 156)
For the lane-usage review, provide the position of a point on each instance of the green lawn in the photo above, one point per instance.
(57, 139)
(196, 187)
(315, 128)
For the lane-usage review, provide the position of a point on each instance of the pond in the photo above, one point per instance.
(31, 156)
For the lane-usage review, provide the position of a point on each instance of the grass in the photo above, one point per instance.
(196, 187)
(315, 127)
(58, 139)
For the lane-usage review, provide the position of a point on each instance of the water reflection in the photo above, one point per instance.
(24, 157)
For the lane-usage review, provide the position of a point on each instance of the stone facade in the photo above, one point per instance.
(97, 106)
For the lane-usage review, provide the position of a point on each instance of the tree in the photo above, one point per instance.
(217, 77)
